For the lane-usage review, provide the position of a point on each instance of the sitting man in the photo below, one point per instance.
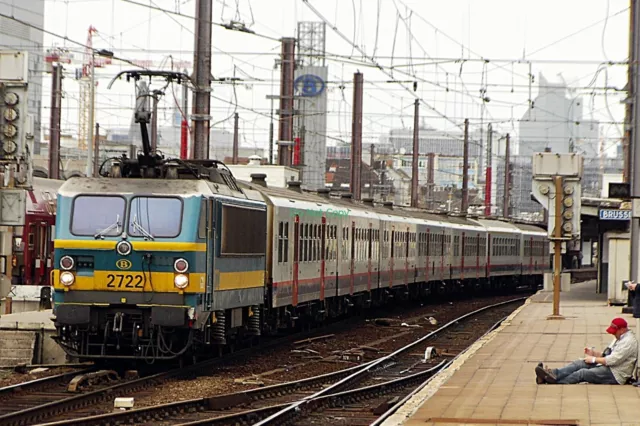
(614, 366)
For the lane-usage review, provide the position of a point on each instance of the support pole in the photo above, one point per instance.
(628, 118)
(507, 184)
(184, 127)
(372, 159)
(202, 76)
(635, 146)
(431, 167)
(154, 124)
(92, 107)
(271, 136)
(287, 74)
(54, 126)
(416, 153)
(96, 154)
(557, 248)
(464, 209)
(487, 180)
(356, 137)
(234, 158)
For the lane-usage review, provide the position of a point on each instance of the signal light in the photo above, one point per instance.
(66, 263)
(570, 208)
(181, 266)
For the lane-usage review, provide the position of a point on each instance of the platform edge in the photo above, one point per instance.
(405, 412)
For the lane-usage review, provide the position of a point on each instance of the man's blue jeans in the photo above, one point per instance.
(579, 371)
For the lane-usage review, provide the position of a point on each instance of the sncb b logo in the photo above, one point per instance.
(309, 85)
(123, 264)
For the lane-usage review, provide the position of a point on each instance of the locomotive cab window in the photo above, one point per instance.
(93, 214)
(155, 217)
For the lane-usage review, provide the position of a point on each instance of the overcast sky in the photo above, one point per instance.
(423, 40)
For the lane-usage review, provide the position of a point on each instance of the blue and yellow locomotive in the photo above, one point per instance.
(141, 264)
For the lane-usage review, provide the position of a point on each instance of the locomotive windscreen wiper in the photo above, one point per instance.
(140, 229)
(100, 234)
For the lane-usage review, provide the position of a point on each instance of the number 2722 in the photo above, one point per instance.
(124, 281)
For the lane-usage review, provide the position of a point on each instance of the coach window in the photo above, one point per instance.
(280, 241)
(307, 243)
(285, 256)
(318, 241)
(310, 243)
(327, 242)
(301, 244)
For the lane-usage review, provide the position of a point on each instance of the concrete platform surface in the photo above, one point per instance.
(25, 338)
(34, 320)
(494, 382)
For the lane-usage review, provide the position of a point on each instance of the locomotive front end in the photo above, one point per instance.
(129, 268)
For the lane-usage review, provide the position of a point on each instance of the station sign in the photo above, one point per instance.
(611, 214)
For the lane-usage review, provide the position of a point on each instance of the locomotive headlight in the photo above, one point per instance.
(181, 281)
(181, 266)
(67, 278)
(66, 263)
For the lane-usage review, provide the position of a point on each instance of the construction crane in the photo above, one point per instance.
(84, 77)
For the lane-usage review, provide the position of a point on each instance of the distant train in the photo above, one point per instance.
(32, 244)
(151, 269)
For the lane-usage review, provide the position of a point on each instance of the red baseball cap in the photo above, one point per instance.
(616, 325)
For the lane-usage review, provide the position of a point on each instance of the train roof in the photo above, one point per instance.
(42, 196)
(498, 226)
(530, 229)
(358, 208)
(83, 185)
(180, 187)
(310, 200)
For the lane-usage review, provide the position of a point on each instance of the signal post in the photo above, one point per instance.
(556, 185)
(15, 161)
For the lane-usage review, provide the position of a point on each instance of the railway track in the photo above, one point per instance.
(48, 398)
(358, 394)
(31, 393)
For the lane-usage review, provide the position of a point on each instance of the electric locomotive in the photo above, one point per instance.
(150, 256)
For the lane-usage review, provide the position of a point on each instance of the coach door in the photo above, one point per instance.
(296, 260)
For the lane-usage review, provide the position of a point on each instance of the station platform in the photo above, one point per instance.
(493, 382)
(25, 338)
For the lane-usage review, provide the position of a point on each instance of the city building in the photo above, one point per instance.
(555, 120)
(447, 170)
(436, 141)
(17, 36)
